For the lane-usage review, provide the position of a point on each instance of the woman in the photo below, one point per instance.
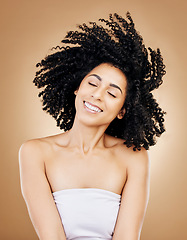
(92, 180)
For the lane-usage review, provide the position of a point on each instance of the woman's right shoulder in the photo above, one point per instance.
(41, 149)
(31, 145)
(34, 150)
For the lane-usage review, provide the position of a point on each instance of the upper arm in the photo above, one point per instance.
(134, 199)
(37, 193)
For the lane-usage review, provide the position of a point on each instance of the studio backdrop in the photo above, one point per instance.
(29, 29)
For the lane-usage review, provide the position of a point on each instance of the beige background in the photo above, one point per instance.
(28, 30)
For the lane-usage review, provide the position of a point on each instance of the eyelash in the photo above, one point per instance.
(93, 84)
(112, 95)
(96, 86)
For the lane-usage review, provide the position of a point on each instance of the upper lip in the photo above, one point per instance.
(93, 105)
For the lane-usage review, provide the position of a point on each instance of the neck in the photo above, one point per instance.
(86, 138)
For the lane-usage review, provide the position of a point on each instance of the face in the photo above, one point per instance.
(101, 95)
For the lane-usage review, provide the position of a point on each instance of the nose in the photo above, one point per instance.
(98, 94)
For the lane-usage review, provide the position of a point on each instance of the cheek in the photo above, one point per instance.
(79, 99)
(116, 105)
(83, 88)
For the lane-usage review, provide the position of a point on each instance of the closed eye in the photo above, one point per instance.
(112, 95)
(92, 84)
(96, 86)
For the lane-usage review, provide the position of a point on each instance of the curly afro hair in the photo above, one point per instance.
(117, 42)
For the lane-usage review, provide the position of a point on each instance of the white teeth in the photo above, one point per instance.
(92, 107)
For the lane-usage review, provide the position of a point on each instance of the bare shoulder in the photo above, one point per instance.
(138, 162)
(40, 145)
(39, 149)
(32, 146)
(30, 153)
(133, 159)
(34, 150)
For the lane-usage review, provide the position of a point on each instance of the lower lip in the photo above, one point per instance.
(89, 110)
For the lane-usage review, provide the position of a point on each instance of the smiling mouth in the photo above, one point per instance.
(92, 108)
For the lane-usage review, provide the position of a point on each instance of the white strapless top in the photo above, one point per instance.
(88, 213)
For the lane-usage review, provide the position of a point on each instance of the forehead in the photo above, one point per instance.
(110, 74)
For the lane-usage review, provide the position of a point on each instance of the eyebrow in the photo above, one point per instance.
(111, 84)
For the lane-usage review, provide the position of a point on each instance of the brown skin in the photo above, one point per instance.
(86, 157)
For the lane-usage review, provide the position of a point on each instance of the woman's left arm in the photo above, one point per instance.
(134, 198)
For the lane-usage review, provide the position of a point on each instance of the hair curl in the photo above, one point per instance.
(121, 45)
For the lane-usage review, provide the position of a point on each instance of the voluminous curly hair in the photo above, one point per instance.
(117, 42)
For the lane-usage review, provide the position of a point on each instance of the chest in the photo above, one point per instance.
(69, 169)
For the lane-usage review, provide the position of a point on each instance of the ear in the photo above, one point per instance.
(121, 113)
(75, 92)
